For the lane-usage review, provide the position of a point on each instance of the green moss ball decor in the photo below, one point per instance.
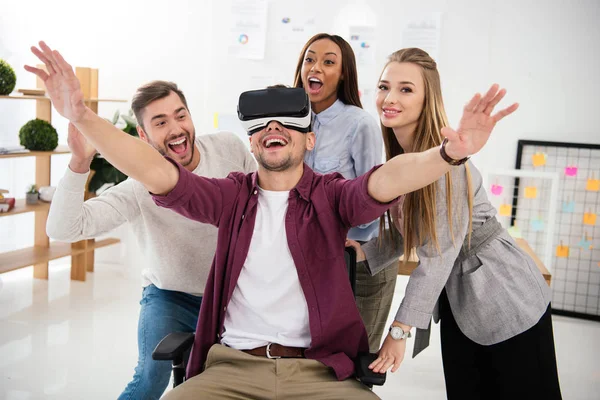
(8, 78)
(38, 135)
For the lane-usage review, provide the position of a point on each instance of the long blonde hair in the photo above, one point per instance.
(419, 207)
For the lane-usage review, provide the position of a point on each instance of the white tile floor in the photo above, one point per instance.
(70, 340)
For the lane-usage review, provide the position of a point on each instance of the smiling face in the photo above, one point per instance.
(277, 148)
(400, 98)
(168, 127)
(321, 73)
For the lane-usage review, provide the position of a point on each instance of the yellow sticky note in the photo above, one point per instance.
(539, 159)
(589, 219)
(216, 120)
(562, 251)
(593, 185)
(505, 210)
(530, 192)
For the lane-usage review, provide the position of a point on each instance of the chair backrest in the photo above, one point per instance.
(350, 256)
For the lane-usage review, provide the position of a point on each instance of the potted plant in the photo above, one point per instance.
(32, 195)
(8, 78)
(38, 135)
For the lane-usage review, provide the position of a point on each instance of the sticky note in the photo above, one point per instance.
(537, 225)
(530, 192)
(505, 210)
(562, 251)
(497, 190)
(593, 185)
(539, 159)
(569, 206)
(515, 232)
(585, 243)
(571, 171)
(589, 219)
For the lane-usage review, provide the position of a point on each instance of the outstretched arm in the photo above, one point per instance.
(411, 171)
(131, 156)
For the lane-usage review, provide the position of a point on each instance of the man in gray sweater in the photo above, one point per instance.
(177, 252)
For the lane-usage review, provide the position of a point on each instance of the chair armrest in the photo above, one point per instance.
(364, 374)
(173, 345)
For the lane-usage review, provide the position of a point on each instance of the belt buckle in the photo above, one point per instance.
(269, 353)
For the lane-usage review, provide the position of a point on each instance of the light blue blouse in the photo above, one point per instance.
(349, 142)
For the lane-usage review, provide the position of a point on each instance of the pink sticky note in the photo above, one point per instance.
(497, 190)
(571, 171)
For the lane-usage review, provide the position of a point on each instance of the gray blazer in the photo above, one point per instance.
(494, 288)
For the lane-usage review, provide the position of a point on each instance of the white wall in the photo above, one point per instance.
(544, 52)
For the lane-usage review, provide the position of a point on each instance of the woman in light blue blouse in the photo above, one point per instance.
(349, 142)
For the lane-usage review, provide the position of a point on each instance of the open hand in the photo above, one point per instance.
(390, 355)
(476, 124)
(62, 85)
(80, 147)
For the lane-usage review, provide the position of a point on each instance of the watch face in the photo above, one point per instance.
(397, 332)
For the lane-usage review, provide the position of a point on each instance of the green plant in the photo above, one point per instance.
(39, 135)
(8, 78)
(104, 172)
(32, 189)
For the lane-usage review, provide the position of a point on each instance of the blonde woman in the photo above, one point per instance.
(493, 302)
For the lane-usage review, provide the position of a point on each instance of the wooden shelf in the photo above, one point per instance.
(25, 97)
(36, 255)
(82, 252)
(22, 207)
(98, 244)
(46, 98)
(58, 150)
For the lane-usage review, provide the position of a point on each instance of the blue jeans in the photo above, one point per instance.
(162, 312)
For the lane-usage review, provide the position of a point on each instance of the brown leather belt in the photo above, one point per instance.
(274, 350)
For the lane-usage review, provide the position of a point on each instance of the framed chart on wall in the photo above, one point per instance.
(575, 262)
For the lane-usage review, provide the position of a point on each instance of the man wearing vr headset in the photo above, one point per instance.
(278, 317)
(175, 252)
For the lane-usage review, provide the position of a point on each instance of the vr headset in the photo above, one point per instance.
(288, 106)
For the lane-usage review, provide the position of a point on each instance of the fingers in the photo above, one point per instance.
(64, 67)
(470, 106)
(47, 52)
(43, 58)
(352, 243)
(383, 363)
(489, 96)
(39, 72)
(73, 129)
(377, 365)
(490, 107)
(507, 111)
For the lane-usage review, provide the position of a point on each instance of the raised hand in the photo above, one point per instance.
(62, 85)
(476, 124)
(82, 153)
(80, 147)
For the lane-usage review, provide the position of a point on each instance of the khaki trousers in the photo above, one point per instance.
(233, 374)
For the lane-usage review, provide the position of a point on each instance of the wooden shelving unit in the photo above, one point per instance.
(82, 253)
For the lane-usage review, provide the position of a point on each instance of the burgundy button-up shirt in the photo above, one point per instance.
(321, 210)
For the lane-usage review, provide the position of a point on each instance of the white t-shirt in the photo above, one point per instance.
(268, 304)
